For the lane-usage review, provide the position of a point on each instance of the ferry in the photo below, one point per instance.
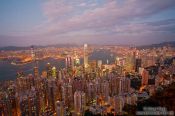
(20, 63)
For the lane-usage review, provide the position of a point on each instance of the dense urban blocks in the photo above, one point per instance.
(128, 82)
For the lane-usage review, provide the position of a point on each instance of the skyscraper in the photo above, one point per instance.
(49, 70)
(79, 102)
(85, 55)
(68, 62)
(32, 53)
(138, 64)
(59, 108)
(36, 72)
(67, 94)
(54, 72)
(145, 76)
(118, 103)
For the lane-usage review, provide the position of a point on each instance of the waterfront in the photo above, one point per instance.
(9, 71)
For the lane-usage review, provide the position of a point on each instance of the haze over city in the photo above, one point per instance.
(43, 22)
(87, 57)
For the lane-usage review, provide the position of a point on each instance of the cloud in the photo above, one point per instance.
(103, 21)
(107, 15)
(163, 26)
(55, 9)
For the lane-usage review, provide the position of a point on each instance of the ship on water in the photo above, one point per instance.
(20, 62)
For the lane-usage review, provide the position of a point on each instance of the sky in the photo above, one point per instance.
(126, 22)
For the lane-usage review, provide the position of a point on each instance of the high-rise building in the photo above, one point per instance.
(85, 55)
(59, 108)
(105, 90)
(44, 74)
(76, 59)
(91, 94)
(138, 64)
(126, 85)
(79, 102)
(36, 72)
(127, 98)
(145, 76)
(118, 103)
(49, 70)
(67, 94)
(99, 63)
(54, 72)
(32, 53)
(133, 98)
(51, 99)
(69, 62)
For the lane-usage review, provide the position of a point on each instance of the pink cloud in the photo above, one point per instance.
(109, 16)
(56, 9)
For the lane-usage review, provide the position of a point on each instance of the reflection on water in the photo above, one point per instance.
(8, 71)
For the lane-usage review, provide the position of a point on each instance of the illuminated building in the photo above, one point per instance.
(145, 76)
(91, 92)
(114, 84)
(105, 90)
(174, 61)
(32, 53)
(59, 108)
(20, 74)
(54, 72)
(130, 62)
(138, 64)
(44, 74)
(141, 70)
(67, 94)
(133, 98)
(33, 109)
(126, 85)
(85, 55)
(99, 63)
(36, 72)
(24, 106)
(51, 91)
(49, 70)
(60, 75)
(151, 90)
(127, 99)
(119, 85)
(69, 62)
(93, 64)
(79, 102)
(77, 84)
(76, 60)
(6, 107)
(117, 61)
(118, 103)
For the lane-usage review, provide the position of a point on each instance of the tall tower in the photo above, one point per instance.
(68, 62)
(54, 72)
(85, 55)
(35, 62)
(49, 70)
(59, 108)
(32, 53)
(79, 102)
(36, 73)
(145, 76)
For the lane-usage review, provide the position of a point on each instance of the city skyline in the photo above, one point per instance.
(136, 22)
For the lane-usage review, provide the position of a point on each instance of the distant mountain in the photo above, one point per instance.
(8, 48)
(171, 44)
(13, 48)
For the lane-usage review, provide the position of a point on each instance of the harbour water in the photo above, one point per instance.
(9, 71)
